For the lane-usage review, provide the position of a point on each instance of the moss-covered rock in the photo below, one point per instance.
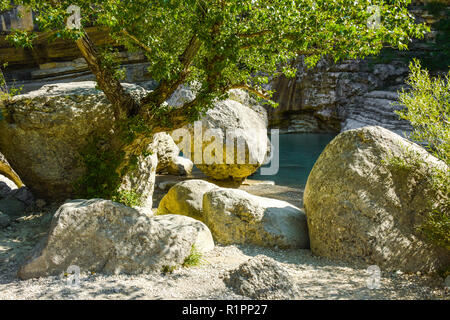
(57, 139)
(368, 197)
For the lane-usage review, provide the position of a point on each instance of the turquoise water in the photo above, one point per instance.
(298, 153)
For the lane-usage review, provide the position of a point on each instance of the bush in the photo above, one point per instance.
(6, 93)
(427, 108)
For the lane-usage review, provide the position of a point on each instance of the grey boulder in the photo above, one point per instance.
(104, 236)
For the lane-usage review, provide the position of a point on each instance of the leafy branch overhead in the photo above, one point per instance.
(220, 44)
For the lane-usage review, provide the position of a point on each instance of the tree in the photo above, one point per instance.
(221, 44)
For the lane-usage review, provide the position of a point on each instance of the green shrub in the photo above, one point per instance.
(127, 197)
(193, 259)
(427, 108)
(5, 92)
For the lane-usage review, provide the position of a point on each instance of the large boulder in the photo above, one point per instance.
(367, 197)
(44, 132)
(238, 118)
(186, 198)
(104, 236)
(247, 134)
(235, 216)
(246, 99)
(261, 278)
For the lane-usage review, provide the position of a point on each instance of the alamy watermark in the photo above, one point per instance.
(374, 280)
(73, 276)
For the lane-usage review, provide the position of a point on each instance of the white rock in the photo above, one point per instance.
(180, 166)
(235, 216)
(104, 236)
(165, 148)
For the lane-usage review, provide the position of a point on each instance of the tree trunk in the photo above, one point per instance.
(135, 122)
(122, 102)
(3, 86)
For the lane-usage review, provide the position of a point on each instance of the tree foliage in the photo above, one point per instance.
(218, 44)
(223, 44)
(427, 108)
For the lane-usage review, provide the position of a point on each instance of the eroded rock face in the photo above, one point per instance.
(186, 198)
(45, 130)
(261, 278)
(351, 94)
(235, 216)
(363, 208)
(104, 236)
(376, 108)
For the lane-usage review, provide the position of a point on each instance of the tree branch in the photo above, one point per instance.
(136, 40)
(254, 34)
(167, 88)
(262, 94)
(123, 103)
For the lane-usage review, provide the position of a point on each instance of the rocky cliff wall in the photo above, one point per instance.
(350, 94)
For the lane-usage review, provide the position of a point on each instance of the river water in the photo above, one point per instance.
(298, 152)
